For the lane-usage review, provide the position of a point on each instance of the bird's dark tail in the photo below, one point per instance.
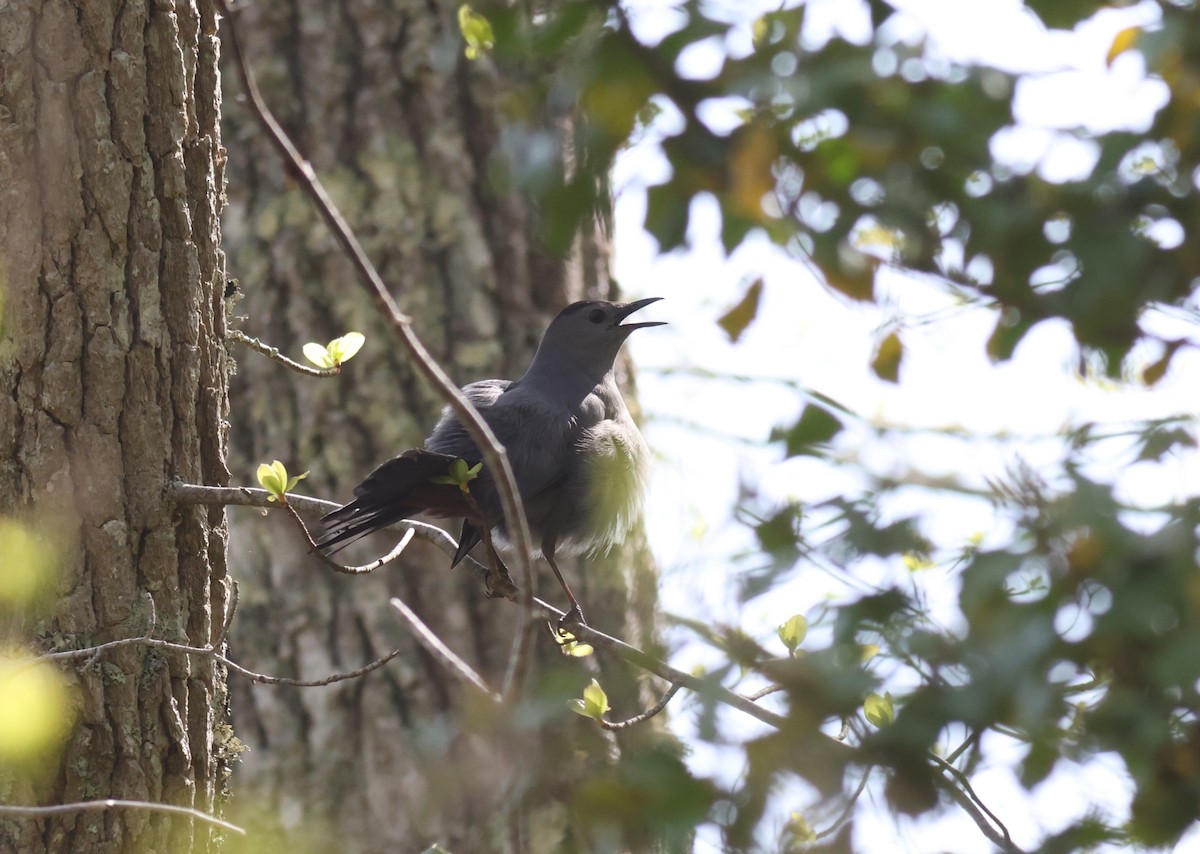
(467, 540)
(402, 487)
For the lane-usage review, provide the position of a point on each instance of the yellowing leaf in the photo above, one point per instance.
(37, 713)
(735, 321)
(1122, 41)
(879, 710)
(888, 356)
(476, 32)
(869, 651)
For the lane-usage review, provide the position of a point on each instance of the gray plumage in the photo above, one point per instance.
(578, 458)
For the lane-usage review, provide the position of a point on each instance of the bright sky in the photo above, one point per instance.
(708, 433)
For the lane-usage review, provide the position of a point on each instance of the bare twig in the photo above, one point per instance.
(241, 496)
(964, 794)
(765, 692)
(194, 494)
(644, 716)
(210, 652)
(17, 811)
(274, 354)
(435, 647)
(489, 446)
(704, 686)
(841, 819)
(342, 568)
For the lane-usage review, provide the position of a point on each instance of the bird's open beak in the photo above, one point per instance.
(630, 307)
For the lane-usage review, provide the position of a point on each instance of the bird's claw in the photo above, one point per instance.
(500, 585)
(574, 617)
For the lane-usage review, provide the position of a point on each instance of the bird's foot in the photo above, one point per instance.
(574, 617)
(501, 585)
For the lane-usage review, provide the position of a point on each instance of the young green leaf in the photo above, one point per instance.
(318, 354)
(338, 350)
(915, 562)
(476, 32)
(879, 710)
(343, 349)
(799, 831)
(594, 703)
(274, 479)
(459, 475)
(792, 632)
(569, 646)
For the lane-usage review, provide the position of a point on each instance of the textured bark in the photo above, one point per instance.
(403, 131)
(114, 380)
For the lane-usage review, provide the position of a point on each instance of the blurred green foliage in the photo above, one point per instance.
(852, 164)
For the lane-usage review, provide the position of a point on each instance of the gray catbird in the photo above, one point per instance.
(579, 460)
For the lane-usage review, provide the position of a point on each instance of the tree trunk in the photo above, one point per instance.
(114, 377)
(403, 130)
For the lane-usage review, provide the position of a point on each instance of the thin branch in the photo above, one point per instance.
(841, 819)
(210, 652)
(972, 739)
(489, 446)
(765, 692)
(700, 685)
(644, 716)
(435, 647)
(16, 811)
(339, 567)
(965, 795)
(273, 354)
(242, 496)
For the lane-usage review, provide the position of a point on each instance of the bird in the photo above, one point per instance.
(579, 461)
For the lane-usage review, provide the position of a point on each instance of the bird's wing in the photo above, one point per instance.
(449, 436)
(536, 434)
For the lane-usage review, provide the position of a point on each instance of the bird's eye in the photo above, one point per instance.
(596, 315)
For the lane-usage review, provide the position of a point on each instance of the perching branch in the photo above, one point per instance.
(489, 446)
(273, 354)
(108, 803)
(193, 494)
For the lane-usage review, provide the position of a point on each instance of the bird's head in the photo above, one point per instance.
(589, 333)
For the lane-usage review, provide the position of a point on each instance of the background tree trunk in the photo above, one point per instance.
(114, 381)
(403, 130)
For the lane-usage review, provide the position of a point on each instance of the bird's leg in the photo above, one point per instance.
(499, 582)
(575, 615)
